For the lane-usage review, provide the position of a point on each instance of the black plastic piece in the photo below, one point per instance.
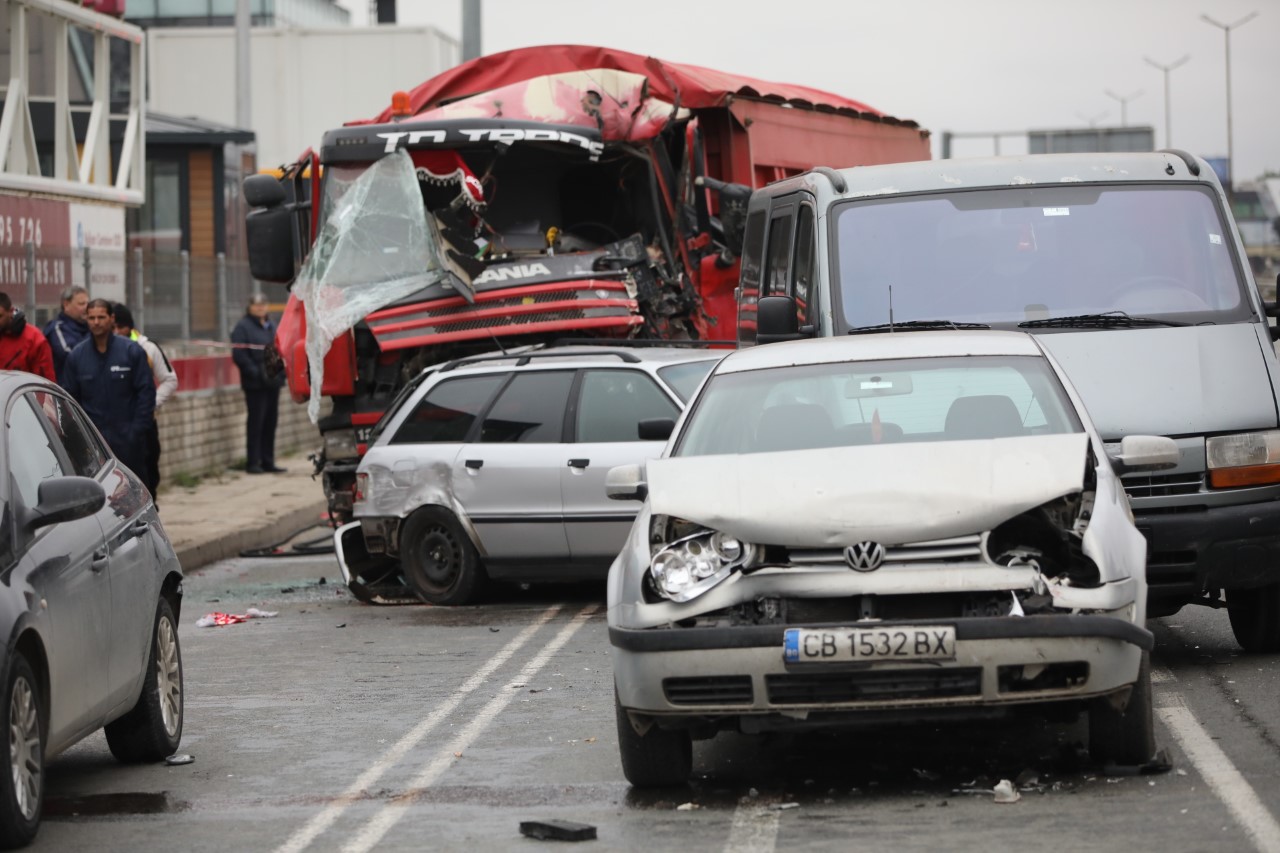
(1192, 166)
(837, 180)
(557, 830)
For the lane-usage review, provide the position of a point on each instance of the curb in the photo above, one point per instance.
(196, 556)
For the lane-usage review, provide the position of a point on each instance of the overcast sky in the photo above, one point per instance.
(958, 65)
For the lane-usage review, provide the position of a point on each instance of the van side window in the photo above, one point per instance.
(752, 252)
(778, 258)
(802, 267)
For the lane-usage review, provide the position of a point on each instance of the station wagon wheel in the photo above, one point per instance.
(152, 729)
(1255, 618)
(438, 560)
(22, 786)
(1124, 736)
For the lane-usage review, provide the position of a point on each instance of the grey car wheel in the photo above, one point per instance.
(657, 759)
(438, 560)
(22, 787)
(1124, 736)
(152, 729)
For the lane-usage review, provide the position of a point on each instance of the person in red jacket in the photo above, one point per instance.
(22, 346)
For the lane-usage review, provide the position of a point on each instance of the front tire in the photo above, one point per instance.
(22, 785)
(438, 560)
(657, 759)
(1255, 617)
(1124, 737)
(152, 729)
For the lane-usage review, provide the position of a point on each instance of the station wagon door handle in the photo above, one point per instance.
(474, 464)
(100, 559)
(579, 463)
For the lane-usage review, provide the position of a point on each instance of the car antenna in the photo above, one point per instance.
(497, 343)
(891, 309)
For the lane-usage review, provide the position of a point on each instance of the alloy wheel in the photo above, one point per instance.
(25, 762)
(168, 677)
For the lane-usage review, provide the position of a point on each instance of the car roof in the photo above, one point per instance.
(987, 172)
(580, 356)
(12, 380)
(881, 346)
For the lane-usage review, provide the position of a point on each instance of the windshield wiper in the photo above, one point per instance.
(916, 326)
(1106, 320)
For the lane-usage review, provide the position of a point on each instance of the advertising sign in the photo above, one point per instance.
(100, 229)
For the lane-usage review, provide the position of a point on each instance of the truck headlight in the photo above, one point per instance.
(1243, 459)
(341, 444)
(693, 564)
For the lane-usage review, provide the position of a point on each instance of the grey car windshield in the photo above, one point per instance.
(1009, 255)
(877, 402)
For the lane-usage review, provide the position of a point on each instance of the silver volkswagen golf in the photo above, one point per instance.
(924, 522)
(493, 467)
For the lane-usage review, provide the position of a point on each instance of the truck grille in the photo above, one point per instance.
(811, 688)
(960, 549)
(1160, 486)
(709, 690)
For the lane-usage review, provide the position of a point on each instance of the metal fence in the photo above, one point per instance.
(173, 296)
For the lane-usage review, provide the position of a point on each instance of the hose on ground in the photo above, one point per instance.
(307, 547)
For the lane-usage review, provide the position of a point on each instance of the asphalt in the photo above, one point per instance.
(223, 515)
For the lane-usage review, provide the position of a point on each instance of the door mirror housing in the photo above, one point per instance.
(1145, 453)
(66, 499)
(655, 429)
(626, 483)
(776, 321)
(263, 191)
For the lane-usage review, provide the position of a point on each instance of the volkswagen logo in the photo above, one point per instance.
(864, 556)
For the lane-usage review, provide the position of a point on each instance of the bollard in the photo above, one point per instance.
(31, 281)
(184, 296)
(139, 314)
(224, 333)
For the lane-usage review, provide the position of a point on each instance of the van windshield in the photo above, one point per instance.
(1016, 254)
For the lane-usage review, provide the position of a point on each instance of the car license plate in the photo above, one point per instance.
(841, 645)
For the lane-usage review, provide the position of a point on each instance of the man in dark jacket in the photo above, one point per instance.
(68, 329)
(250, 337)
(109, 376)
(22, 347)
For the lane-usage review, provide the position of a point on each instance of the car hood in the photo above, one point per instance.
(1168, 381)
(888, 493)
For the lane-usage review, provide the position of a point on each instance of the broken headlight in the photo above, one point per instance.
(341, 444)
(695, 562)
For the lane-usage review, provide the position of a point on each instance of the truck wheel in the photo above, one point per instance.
(656, 759)
(22, 783)
(438, 560)
(153, 727)
(1125, 737)
(1255, 617)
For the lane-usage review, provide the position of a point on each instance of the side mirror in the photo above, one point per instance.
(66, 499)
(263, 191)
(269, 237)
(626, 483)
(655, 429)
(1145, 453)
(733, 210)
(776, 321)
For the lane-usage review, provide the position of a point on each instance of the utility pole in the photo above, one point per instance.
(244, 118)
(470, 30)
(1124, 104)
(1226, 31)
(1168, 123)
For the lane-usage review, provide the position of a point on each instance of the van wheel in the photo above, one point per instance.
(152, 729)
(1125, 737)
(438, 560)
(1255, 617)
(22, 784)
(656, 759)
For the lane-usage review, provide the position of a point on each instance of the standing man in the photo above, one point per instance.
(68, 329)
(166, 383)
(261, 392)
(109, 376)
(22, 347)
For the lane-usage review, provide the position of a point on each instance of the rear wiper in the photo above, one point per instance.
(916, 326)
(1107, 320)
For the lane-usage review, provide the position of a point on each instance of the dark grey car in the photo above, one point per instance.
(90, 590)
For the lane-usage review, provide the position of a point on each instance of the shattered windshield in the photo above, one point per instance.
(1016, 254)
(375, 245)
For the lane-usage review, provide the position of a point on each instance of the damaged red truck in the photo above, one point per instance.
(523, 197)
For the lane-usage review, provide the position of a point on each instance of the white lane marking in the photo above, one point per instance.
(1218, 771)
(394, 810)
(301, 839)
(754, 828)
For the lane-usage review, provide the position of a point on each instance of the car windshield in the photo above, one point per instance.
(684, 378)
(1019, 254)
(877, 402)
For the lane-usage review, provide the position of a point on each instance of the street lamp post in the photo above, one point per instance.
(1124, 104)
(1092, 120)
(1226, 31)
(1168, 122)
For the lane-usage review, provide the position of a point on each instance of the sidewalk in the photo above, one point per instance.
(224, 515)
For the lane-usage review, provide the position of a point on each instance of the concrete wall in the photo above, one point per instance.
(202, 432)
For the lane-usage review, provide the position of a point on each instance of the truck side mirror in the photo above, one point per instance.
(270, 230)
(263, 191)
(776, 321)
(733, 210)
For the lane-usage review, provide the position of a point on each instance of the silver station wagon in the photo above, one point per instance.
(493, 467)
(923, 522)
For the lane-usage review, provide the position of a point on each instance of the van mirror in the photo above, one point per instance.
(1145, 453)
(655, 429)
(776, 320)
(626, 483)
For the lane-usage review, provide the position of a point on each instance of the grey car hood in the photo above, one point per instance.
(1168, 381)
(888, 493)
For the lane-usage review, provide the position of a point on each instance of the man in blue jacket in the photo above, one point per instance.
(109, 376)
(68, 329)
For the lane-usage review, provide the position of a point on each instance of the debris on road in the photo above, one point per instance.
(557, 830)
(927, 775)
(218, 620)
(179, 758)
(1005, 792)
(687, 807)
(784, 806)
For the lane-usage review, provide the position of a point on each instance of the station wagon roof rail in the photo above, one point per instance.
(523, 358)
(638, 342)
